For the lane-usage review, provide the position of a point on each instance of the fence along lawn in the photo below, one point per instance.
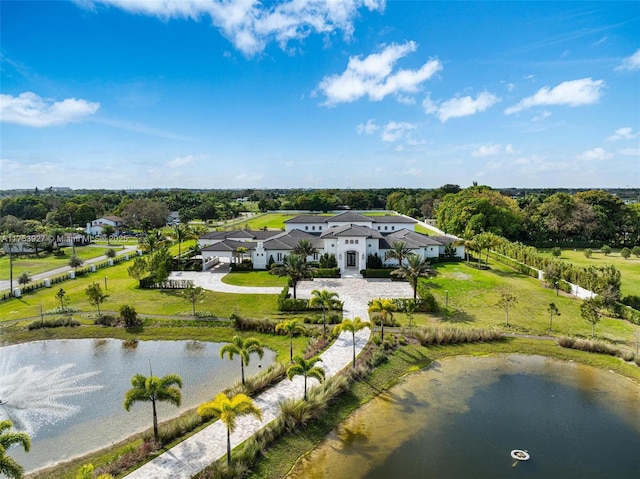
(47, 261)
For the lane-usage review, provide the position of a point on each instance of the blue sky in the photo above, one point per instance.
(347, 94)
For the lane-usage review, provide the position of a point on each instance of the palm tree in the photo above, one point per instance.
(153, 241)
(327, 300)
(181, 232)
(243, 348)
(307, 368)
(385, 309)
(470, 246)
(486, 241)
(290, 328)
(399, 251)
(295, 267)
(416, 268)
(352, 326)
(152, 389)
(8, 466)
(305, 249)
(228, 410)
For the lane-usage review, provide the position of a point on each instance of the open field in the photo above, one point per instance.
(473, 294)
(47, 261)
(629, 268)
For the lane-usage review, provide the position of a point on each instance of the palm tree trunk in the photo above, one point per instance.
(242, 369)
(324, 323)
(155, 420)
(228, 446)
(381, 329)
(354, 348)
(305, 387)
(294, 284)
(290, 348)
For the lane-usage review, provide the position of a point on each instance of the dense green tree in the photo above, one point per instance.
(139, 210)
(153, 389)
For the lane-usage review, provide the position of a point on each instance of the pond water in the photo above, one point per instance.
(462, 417)
(68, 394)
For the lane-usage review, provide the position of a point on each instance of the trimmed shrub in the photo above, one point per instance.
(53, 323)
(326, 272)
(376, 273)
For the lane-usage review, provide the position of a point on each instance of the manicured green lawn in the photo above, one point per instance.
(629, 268)
(268, 220)
(473, 294)
(47, 261)
(254, 278)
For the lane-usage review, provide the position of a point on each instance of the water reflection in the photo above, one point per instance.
(100, 419)
(462, 418)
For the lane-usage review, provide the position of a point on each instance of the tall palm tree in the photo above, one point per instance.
(399, 251)
(415, 268)
(307, 368)
(228, 410)
(486, 241)
(291, 327)
(305, 249)
(352, 326)
(153, 241)
(385, 309)
(243, 348)
(295, 268)
(327, 300)
(181, 232)
(8, 466)
(153, 389)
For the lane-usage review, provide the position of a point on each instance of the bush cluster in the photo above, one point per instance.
(599, 347)
(250, 324)
(53, 323)
(427, 336)
(287, 303)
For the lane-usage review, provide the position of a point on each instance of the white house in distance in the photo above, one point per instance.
(95, 227)
(350, 236)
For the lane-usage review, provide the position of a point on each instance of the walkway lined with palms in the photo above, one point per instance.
(207, 446)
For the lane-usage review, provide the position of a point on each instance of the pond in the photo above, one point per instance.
(462, 418)
(68, 394)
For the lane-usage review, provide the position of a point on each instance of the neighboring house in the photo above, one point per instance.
(173, 218)
(350, 236)
(95, 227)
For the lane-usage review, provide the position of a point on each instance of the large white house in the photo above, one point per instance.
(95, 227)
(350, 236)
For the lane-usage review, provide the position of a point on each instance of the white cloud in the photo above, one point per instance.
(394, 131)
(542, 116)
(492, 150)
(630, 63)
(630, 151)
(595, 154)
(572, 93)
(374, 77)
(625, 133)
(180, 161)
(29, 109)
(459, 106)
(250, 25)
(368, 128)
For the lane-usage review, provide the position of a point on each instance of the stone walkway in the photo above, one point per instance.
(207, 446)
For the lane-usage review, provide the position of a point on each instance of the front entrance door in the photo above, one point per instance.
(351, 259)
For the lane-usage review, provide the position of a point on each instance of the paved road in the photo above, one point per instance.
(207, 446)
(4, 284)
